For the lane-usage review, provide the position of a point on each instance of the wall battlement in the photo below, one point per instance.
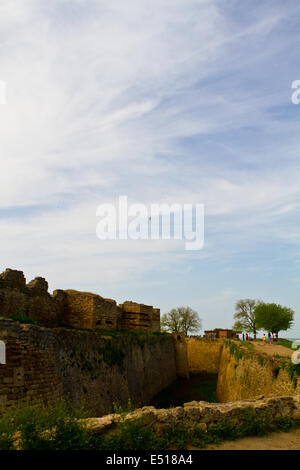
(72, 308)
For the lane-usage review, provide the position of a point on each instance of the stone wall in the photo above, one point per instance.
(48, 364)
(197, 355)
(31, 300)
(242, 373)
(248, 374)
(82, 310)
(203, 414)
(181, 357)
(139, 317)
(204, 355)
(87, 311)
(31, 371)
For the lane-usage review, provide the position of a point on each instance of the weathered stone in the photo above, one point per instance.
(12, 279)
(47, 364)
(82, 310)
(164, 416)
(100, 425)
(253, 375)
(232, 413)
(178, 412)
(38, 285)
(192, 413)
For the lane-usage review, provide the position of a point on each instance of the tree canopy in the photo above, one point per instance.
(273, 317)
(245, 316)
(181, 320)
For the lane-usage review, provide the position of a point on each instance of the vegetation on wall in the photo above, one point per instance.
(24, 319)
(42, 427)
(240, 351)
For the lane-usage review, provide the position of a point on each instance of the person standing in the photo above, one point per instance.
(269, 338)
(243, 336)
(264, 338)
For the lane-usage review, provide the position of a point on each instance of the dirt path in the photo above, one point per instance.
(272, 349)
(275, 441)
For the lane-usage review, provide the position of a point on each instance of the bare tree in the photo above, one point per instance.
(181, 320)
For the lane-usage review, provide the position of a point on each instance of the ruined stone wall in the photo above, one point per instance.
(155, 327)
(203, 414)
(31, 300)
(88, 311)
(204, 355)
(244, 375)
(139, 317)
(48, 364)
(73, 308)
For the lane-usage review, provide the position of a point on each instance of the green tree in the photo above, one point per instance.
(273, 317)
(245, 318)
(181, 320)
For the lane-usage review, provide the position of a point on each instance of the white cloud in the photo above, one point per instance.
(100, 97)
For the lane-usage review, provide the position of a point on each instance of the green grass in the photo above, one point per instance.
(40, 427)
(24, 319)
(284, 342)
(58, 427)
(136, 435)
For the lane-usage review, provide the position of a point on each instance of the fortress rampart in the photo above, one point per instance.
(44, 364)
(71, 308)
(242, 374)
(249, 374)
(87, 347)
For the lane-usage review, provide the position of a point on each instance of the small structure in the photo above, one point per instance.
(220, 333)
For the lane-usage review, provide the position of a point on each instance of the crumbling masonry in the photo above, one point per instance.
(70, 308)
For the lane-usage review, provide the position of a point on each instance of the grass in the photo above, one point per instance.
(24, 319)
(136, 435)
(284, 342)
(248, 345)
(42, 427)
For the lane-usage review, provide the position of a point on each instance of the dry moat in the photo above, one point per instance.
(199, 387)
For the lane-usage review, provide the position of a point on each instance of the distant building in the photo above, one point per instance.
(220, 333)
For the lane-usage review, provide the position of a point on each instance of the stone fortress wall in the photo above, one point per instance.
(48, 364)
(70, 356)
(242, 374)
(71, 308)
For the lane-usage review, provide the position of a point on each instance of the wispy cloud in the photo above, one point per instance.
(166, 101)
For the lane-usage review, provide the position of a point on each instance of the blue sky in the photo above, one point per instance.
(162, 101)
